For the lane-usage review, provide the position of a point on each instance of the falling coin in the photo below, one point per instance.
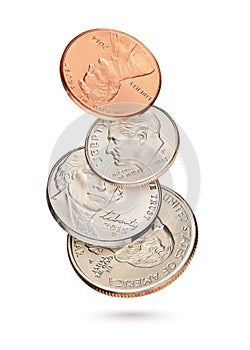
(133, 152)
(97, 212)
(149, 263)
(110, 73)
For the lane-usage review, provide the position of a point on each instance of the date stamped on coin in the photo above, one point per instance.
(150, 262)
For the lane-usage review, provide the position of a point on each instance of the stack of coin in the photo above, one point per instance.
(128, 235)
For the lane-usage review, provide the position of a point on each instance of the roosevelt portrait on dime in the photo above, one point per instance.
(135, 142)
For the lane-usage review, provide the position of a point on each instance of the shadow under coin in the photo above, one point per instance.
(134, 315)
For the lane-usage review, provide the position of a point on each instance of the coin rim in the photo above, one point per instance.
(114, 243)
(155, 176)
(95, 112)
(103, 290)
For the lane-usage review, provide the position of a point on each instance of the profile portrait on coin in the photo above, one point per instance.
(81, 194)
(102, 81)
(135, 142)
(154, 247)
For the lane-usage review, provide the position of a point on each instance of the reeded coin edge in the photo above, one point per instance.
(154, 177)
(118, 243)
(139, 293)
(93, 111)
(135, 294)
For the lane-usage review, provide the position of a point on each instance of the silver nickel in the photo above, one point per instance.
(133, 152)
(97, 212)
(149, 263)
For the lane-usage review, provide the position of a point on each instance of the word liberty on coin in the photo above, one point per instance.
(95, 211)
(149, 263)
(102, 67)
(127, 234)
(133, 152)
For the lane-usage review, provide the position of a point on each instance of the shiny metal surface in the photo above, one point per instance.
(146, 265)
(133, 152)
(103, 69)
(95, 211)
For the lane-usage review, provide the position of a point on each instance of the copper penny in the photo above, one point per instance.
(110, 73)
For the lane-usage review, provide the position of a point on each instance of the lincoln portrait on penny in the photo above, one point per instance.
(102, 80)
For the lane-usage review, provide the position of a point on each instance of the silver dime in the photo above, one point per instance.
(97, 212)
(149, 263)
(133, 152)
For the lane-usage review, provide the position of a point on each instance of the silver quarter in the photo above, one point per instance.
(97, 212)
(133, 152)
(149, 263)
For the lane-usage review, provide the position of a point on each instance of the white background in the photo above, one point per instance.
(203, 50)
